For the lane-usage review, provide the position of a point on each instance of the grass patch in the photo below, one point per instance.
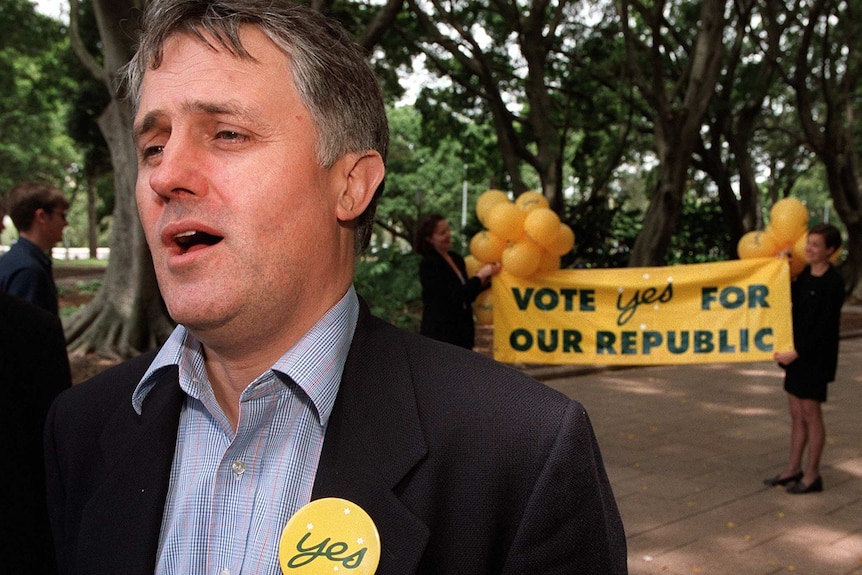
(81, 287)
(69, 310)
(89, 263)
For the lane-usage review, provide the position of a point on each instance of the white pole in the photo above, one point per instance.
(464, 209)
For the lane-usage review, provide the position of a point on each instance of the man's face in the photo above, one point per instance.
(239, 217)
(55, 223)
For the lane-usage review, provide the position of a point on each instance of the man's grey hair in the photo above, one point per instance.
(330, 72)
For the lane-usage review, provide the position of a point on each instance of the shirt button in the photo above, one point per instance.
(224, 572)
(238, 468)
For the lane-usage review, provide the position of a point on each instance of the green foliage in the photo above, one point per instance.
(424, 175)
(468, 122)
(81, 288)
(89, 287)
(812, 189)
(76, 234)
(391, 48)
(702, 235)
(34, 95)
(85, 264)
(90, 98)
(452, 132)
(388, 279)
(604, 234)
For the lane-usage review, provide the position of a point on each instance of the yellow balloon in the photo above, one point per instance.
(788, 218)
(756, 244)
(483, 308)
(779, 240)
(473, 264)
(522, 259)
(488, 200)
(531, 200)
(548, 263)
(506, 221)
(487, 247)
(563, 242)
(542, 226)
(797, 255)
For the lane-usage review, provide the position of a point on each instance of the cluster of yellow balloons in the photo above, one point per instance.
(786, 233)
(526, 236)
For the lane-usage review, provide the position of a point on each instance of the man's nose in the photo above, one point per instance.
(179, 170)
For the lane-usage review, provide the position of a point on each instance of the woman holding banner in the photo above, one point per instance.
(447, 291)
(817, 295)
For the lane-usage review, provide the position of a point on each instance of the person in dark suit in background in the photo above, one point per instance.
(262, 135)
(34, 369)
(447, 290)
(38, 211)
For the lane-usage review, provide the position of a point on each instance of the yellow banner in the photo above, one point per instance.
(730, 311)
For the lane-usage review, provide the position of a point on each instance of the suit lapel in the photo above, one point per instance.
(373, 440)
(125, 514)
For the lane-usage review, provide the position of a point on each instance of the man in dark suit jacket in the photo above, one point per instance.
(497, 474)
(34, 369)
(261, 135)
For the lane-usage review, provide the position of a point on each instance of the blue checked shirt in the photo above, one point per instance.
(231, 493)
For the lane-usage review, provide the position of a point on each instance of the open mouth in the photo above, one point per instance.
(192, 239)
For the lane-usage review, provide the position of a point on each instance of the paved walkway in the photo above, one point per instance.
(686, 448)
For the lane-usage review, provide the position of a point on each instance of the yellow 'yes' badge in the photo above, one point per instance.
(329, 536)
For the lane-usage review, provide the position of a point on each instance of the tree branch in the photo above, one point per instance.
(89, 62)
(381, 22)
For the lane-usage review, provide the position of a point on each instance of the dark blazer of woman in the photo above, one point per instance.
(446, 299)
(816, 312)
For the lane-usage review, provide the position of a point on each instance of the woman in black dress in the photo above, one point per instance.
(817, 295)
(447, 291)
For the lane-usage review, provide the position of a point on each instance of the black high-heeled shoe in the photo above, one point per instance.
(799, 487)
(778, 480)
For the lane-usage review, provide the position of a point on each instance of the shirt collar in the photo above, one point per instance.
(315, 362)
(35, 250)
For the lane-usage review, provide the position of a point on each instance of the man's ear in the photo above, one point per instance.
(364, 172)
(41, 215)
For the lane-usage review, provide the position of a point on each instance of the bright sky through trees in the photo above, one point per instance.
(53, 8)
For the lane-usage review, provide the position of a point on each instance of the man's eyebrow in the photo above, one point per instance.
(146, 124)
(226, 108)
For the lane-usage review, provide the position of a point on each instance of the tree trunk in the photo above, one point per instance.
(826, 85)
(92, 231)
(666, 199)
(842, 175)
(678, 119)
(853, 263)
(732, 208)
(127, 315)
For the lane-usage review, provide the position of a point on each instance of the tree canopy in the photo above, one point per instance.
(661, 132)
(35, 86)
